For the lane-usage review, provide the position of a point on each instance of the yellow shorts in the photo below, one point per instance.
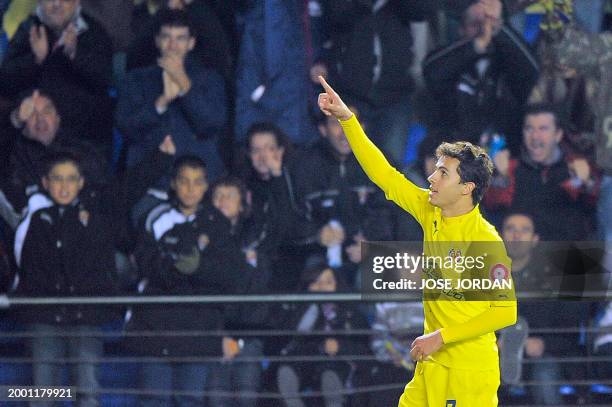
(435, 385)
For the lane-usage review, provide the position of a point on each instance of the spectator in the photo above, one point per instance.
(370, 61)
(565, 88)
(396, 325)
(270, 176)
(229, 196)
(546, 181)
(114, 15)
(69, 55)
(212, 48)
(65, 246)
(591, 55)
(271, 74)
(532, 272)
(330, 376)
(175, 96)
(39, 130)
(187, 250)
(344, 207)
(482, 80)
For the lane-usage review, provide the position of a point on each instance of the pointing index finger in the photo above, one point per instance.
(328, 89)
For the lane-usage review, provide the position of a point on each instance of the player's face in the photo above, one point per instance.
(445, 187)
(58, 13)
(541, 136)
(228, 200)
(326, 282)
(63, 183)
(190, 185)
(262, 149)
(174, 41)
(519, 233)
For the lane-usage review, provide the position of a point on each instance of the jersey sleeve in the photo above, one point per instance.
(502, 310)
(490, 320)
(394, 184)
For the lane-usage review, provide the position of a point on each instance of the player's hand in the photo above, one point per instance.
(425, 345)
(534, 347)
(331, 104)
(39, 43)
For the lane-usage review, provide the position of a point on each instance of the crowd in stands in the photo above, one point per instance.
(175, 147)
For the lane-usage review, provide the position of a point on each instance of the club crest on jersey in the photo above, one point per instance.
(454, 254)
(499, 272)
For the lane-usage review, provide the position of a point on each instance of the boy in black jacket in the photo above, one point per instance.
(65, 246)
(187, 250)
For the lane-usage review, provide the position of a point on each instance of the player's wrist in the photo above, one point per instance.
(346, 116)
(440, 333)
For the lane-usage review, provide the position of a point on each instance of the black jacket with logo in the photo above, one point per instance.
(170, 236)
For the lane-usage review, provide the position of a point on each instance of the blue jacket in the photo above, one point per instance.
(194, 120)
(272, 56)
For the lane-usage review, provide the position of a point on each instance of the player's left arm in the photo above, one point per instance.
(494, 318)
(502, 311)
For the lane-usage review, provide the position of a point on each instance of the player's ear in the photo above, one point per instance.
(468, 188)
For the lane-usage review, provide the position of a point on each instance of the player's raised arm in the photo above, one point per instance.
(396, 187)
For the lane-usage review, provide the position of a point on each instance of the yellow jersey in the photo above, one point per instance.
(467, 327)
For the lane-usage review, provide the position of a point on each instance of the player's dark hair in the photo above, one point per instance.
(190, 161)
(474, 165)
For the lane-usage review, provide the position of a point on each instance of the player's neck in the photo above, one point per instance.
(458, 208)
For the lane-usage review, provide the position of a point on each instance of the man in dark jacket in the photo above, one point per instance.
(187, 250)
(176, 96)
(343, 205)
(482, 81)
(546, 181)
(38, 130)
(70, 56)
(370, 61)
